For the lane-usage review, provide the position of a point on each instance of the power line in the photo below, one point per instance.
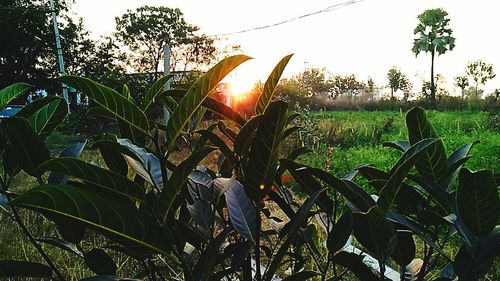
(324, 10)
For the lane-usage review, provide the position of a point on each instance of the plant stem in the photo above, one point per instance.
(382, 270)
(258, 274)
(49, 262)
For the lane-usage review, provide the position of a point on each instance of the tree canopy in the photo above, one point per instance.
(433, 35)
(146, 30)
(480, 72)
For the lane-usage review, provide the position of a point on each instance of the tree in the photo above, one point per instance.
(480, 72)
(462, 82)
(347, 85)
(398, 81)
(433, 35)
(146, 30)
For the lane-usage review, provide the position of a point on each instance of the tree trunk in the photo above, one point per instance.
(433, 87)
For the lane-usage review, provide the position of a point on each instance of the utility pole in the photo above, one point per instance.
(59, 48)
(166, 72)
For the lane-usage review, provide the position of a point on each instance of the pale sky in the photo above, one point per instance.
(365, 39)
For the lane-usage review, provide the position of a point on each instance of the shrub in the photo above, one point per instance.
(237, 219)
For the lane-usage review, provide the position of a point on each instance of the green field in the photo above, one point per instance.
(357, 137)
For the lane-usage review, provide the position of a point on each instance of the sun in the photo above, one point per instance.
(239, 85)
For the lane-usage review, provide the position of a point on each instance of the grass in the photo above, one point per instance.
(357, 137)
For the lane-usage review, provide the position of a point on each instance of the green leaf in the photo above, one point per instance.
(298, 152)
(100, 262)
(407, 199)
(11, 92)
(270, 85)
(245, 136)
(439, 195)
(355, 264)
(116, 220)
(61, 244)
(302, 275)
(107, 180)
(264, 151)
(400, 171)
(114, 160)
(241, 211)
(400, 145)
(195, 96)
(375, 232)
(154, 91)
(45, 114)
(478, 202)
(290, 230)
(112, 101)
(459, 156)
(340, 233)
(12, 268)
(126, 93)
(72, 151)
(178, 180)
(26, 145)
(433, 163)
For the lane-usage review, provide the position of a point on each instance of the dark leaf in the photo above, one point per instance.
(337, 238)
(45, 114)
(478, 202)
(11, 92)
(270, 85)
(355, 264)
(374, 232)
(241, 211)
(11, 268)
(28, 147)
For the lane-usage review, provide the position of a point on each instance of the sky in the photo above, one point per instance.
(366, 38)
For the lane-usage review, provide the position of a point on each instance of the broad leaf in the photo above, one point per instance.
(59, 243)
(107, 180)
(26, 145)
(154, 91)
(202, 213)
(246, 134)
(72, 151)
(144, 163)
(11, 92)
(478, 202)
(195, 96)
(405, 249)
(12, 268)
(45, 114)
(241, 211)
(270, 85)
(341, 230)
(400, 171)
(100, 262)
(111, 218)
(400, 145)
(433, 163)
(375, 232)
(355, 264)
(178, 180)
(265, 148)
(112, 101)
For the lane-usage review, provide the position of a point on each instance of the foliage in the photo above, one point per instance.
(433, 35)
(146, 30)
(398, 81)
(237, 218)
(480, 72)
(462, 82)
